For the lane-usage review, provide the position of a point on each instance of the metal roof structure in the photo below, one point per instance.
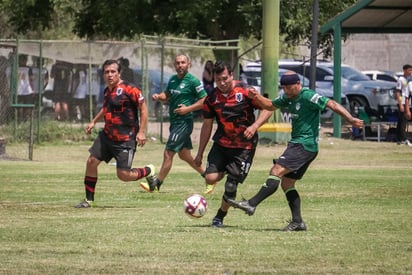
(366, 16)
(374, 16)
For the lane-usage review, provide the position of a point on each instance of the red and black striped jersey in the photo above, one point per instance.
(121, 115)
(233, 112)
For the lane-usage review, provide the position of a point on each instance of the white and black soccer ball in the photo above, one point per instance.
(195, 206)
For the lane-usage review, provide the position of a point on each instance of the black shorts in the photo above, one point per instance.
(105, 149)
(296, 159)
(236, 162)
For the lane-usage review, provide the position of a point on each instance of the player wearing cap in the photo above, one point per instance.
(304, 105)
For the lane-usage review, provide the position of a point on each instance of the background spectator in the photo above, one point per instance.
(127, 73)
(61, 72)
(208, 78)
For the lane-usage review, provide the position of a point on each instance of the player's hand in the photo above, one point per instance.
(252, 93)
(408, 114)
(249, 132)
(88, 129)
(155, 97)
(198, 160)
(358, 123)
(140, 139)
(181, 109)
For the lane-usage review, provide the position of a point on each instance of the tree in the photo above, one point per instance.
(203, 19)
(37, 19)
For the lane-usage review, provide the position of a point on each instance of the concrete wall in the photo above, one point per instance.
(375, 51)
(378, 51)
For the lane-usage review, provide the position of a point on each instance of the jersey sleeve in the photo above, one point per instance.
(200, 90)
(318, 100)
(280, 101)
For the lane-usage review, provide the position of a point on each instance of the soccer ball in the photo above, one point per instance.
(195, 206)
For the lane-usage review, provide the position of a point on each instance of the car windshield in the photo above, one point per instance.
(253, 78)
(350, 73)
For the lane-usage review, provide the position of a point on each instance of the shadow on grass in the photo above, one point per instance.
(239, 227)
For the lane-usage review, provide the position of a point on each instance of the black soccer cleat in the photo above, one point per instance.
(243, 204)
(216, 222)
(295, 226)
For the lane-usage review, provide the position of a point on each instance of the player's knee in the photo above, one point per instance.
(92, 162)
(122, 175)
(272, 182)
(210, 178)
(230, 188)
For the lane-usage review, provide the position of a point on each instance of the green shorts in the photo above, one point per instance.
(179, 137)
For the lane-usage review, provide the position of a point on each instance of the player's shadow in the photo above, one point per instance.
(231, 227)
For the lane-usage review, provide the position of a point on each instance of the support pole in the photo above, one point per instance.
(270, 50)
(337, 79)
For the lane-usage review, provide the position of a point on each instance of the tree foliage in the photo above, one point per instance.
(204, 19)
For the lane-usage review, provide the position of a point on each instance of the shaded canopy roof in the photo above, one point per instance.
(374, 16)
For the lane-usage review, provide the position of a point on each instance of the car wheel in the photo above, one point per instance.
(355, 102)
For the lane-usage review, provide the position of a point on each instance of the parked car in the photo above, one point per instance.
(375, 96)
(252, 75)
(382, 75)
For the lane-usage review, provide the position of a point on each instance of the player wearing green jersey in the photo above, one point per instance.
(185, 95)
(304, 105)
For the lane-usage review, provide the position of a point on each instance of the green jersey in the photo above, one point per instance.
(185, 91)
(305, 114)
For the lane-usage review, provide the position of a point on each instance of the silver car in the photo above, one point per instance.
(252, 75)
(374, 95)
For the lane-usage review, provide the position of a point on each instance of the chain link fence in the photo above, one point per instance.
(61, 81)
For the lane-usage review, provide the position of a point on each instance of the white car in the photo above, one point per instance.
(382, 75)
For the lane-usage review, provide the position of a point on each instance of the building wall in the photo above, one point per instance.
(375, 51)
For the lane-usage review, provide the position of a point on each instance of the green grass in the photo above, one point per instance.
(356, 201)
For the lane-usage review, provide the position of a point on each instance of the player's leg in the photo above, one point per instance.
(186, 155)
(124, 155)
(237, 163)
(231, 185)
(293, 198)
(303, 159)
(90, 181)
(98, 152)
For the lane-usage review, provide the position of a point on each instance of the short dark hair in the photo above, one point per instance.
(407, 66)
(220, 66)
(110, 62)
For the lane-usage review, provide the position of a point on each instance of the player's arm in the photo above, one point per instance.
(183, 109)
(143, 115)
(250, 131)
(160, 97)
(398, 97)
(263, 102)
(340, 110)
(205, 134)
(407, 109)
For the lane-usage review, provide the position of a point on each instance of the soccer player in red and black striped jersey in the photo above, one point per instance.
(125, 115)
(235, 139)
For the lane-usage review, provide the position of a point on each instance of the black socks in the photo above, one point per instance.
(267, 189)
(294, 203)
(89, 186)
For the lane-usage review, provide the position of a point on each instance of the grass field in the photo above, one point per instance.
(356, 202)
